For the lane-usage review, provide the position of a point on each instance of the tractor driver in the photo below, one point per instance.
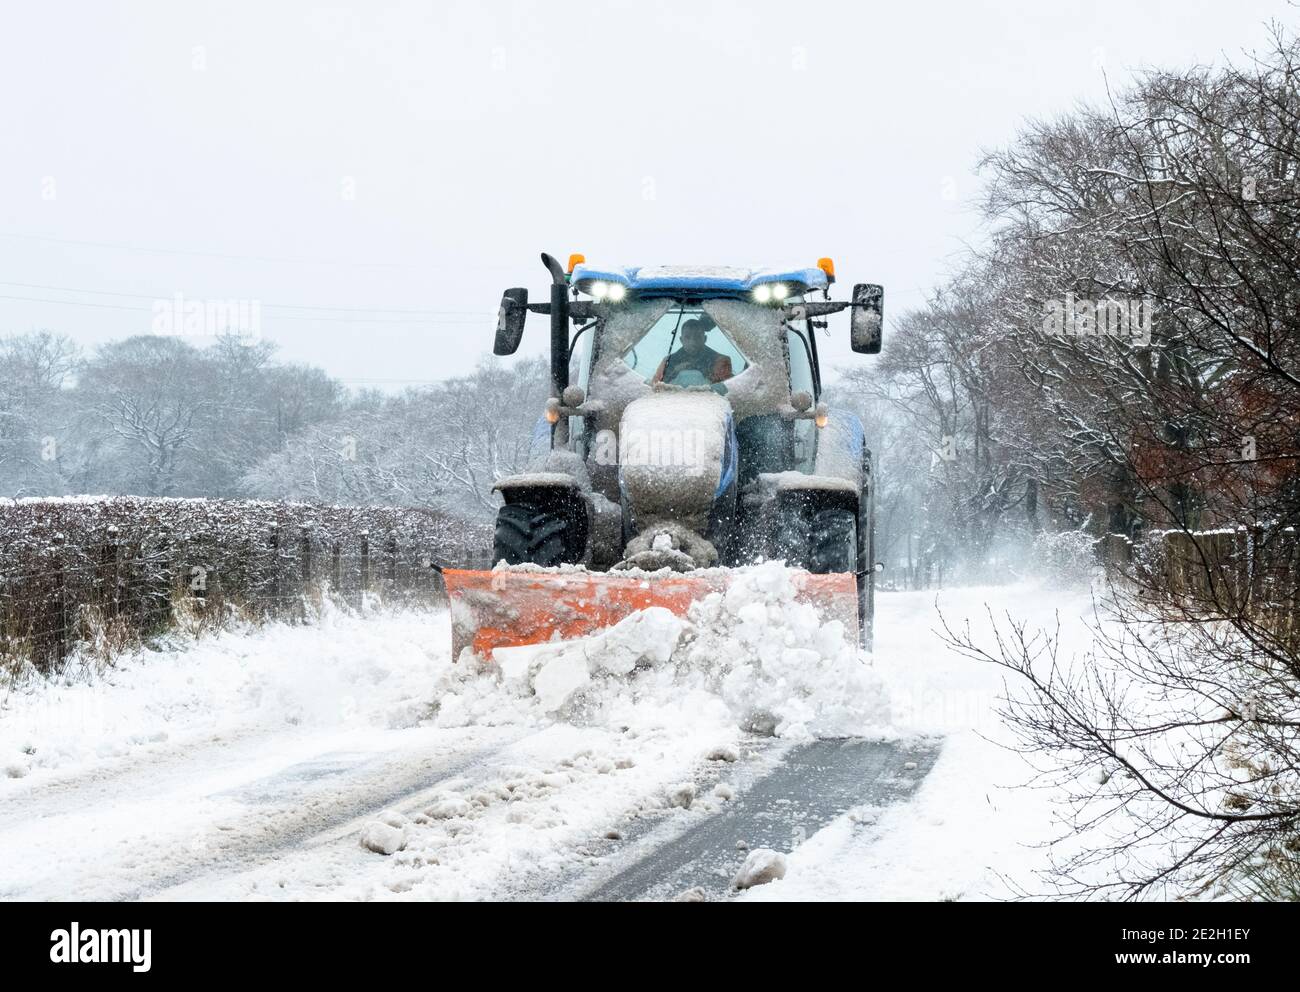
(695, 355)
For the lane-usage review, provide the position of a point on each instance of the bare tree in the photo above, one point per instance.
(442, 447)
(1177, 733)
(35, 370)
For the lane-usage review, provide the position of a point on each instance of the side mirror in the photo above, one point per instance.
(867, 319)
(510, 321)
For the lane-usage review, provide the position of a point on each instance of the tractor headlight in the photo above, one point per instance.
(780, 291)
(598, 290)
(763, 293)
(615, 292)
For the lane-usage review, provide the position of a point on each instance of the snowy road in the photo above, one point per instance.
(811, 786)
(222, 807)
(248, 766)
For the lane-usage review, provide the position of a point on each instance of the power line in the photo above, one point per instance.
(194, 252)
(118, 246)
(75, 303)
(287, 316)
(271, 306)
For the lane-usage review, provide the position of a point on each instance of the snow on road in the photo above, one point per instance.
(254, 764)
(978, 828)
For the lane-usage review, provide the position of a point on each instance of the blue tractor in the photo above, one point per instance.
(685, 435)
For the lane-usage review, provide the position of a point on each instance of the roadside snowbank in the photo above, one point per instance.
(340, 672)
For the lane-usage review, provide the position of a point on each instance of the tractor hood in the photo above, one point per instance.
(677, 452)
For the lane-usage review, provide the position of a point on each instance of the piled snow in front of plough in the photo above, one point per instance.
(751, 640)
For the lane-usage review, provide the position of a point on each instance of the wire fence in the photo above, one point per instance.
(102, 574)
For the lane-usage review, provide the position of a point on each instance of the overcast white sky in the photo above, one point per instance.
(209, 149)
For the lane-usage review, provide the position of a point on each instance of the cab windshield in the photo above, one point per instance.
(686, 347)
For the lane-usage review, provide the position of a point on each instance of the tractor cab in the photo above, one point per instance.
(685, 347)
(746, 336)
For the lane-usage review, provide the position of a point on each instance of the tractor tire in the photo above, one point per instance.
(530, 534)
(822, 542)
(833, 541)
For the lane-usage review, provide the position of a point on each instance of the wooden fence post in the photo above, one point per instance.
(365, 566)
(161, 607)
(108, 574)
(1117, 552)
(1257, 561)
(390, 564)
(60, 631)
(305, 539)
(273, 544)
(1175, 563)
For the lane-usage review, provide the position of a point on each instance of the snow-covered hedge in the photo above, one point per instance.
(1064, 558)
(82, 570)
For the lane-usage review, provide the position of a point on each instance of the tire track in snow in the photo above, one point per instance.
(53, 792)
(239, 827)
(810, 785)
(321, 817)
(511, 823)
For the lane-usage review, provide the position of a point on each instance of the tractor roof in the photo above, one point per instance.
(712, 280)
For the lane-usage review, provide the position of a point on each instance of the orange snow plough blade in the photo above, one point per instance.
(491, 610)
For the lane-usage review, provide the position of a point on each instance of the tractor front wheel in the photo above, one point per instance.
(528, 533)
(830, 540)
(822, 541)
(833, 541)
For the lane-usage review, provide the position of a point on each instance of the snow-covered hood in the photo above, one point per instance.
(676, 448)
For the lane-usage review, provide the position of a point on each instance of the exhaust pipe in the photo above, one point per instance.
(559, 324)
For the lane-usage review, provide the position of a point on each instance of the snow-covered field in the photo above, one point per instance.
(351, 759)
